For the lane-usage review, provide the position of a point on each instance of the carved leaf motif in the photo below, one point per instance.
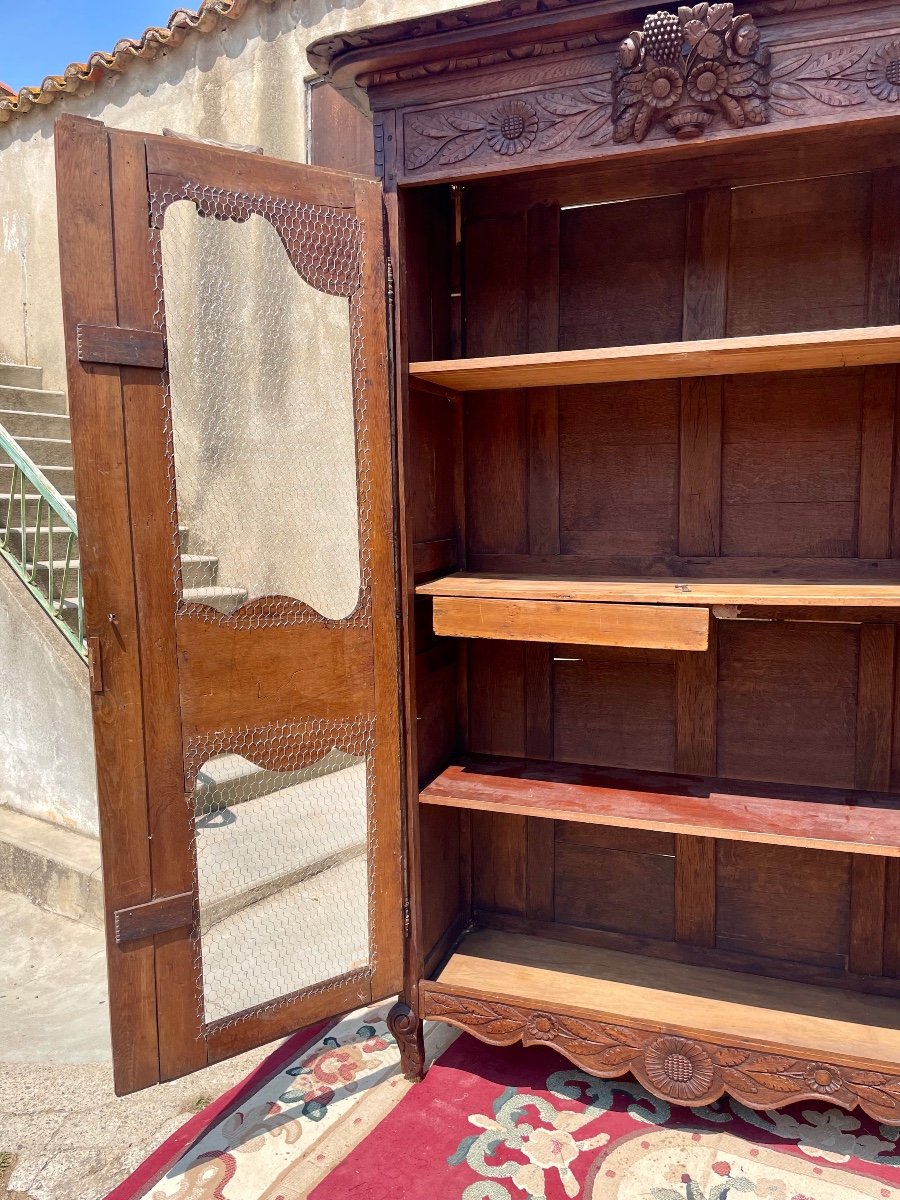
(786, 110)
(592, 123)
(598, 96)
(642, 123)
(833, 63)
(838, 94)
(461, 147)
(733, 111)
(719, 15)
(788, 90)
(754, 110)
(431, 129)
(420, 156)
(740, 72)
(562, 105)
(466, 122)
(558, 134)
(789, 65)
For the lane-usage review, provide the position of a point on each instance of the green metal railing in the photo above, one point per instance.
(39, 540)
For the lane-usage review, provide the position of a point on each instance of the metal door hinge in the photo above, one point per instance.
(390, 287)
(407, 923)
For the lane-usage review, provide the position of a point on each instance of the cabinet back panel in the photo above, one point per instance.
(787, 702)
(614, 707)
(621, 273)
(618, 468)
(619, 880)
(791, 464)
(799, 255)
(432, 422)
(783, 902)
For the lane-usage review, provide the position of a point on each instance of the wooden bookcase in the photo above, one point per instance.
(622, 669)
(647, 393)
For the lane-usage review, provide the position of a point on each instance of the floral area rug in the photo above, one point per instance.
(280, 1138)
(517, 1124)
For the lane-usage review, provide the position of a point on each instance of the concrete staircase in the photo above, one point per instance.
(38, 421)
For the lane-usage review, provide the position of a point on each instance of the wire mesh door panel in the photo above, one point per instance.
(274, 415)
(226, 331)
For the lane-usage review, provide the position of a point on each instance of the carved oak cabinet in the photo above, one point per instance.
(609, 699)
(647, 319)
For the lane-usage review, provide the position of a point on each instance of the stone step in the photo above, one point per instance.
(199, 570)
(196, 570)
(60, 540)
(34, 424)
(62, 478)
(42, 574)
(31, 503)
(34, 400)
(18, 375)
(223, 599)
(271, 841)
(231, 779)
(56, 452)
(53, 867)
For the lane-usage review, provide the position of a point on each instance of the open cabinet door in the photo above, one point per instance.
(226, 333)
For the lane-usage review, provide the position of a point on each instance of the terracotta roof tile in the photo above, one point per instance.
(182, 22)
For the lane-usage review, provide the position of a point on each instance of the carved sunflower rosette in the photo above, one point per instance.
(688, 69)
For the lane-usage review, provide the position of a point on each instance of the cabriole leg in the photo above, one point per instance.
(408, 1031)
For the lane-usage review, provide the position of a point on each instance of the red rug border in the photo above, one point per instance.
(155, 1165)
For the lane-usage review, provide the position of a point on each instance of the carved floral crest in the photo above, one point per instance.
(688, 68)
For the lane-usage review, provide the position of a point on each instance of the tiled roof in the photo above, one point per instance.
(180, 25)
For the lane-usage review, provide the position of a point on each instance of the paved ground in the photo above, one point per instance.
(71, 1138)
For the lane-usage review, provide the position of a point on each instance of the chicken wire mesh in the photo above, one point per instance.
(284, 856)
(266, 402)
(269, 503)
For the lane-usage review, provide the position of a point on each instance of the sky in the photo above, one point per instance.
(41, 37)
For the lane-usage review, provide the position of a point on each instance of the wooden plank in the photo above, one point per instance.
(695, 890)
(235, 170)
(706, 263)
(700, 485)
(121, 346)
(439, 554)
(154, 535)
(543, 404)
(891, 955)
(653, 626)
(696, 693)
(874, 712)
(672, 590)
(724, 1006)
(154, 917)
(868, 883)
(736, 810)
(876, 480)
(669, 360)
(101, 487)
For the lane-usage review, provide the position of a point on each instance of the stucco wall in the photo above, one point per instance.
(243, 82)
(46, 756)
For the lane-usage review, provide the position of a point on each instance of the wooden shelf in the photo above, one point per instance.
(629, 990)
(667, 360)
(769, 592)
(776, 814)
